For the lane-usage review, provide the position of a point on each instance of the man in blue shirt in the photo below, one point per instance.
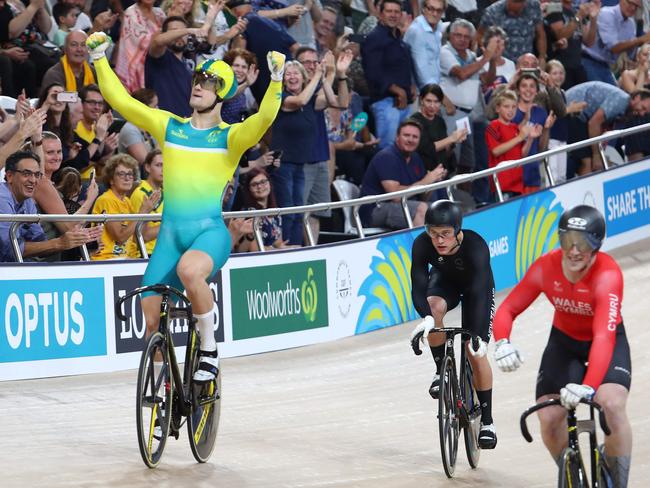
(424, 39)
(23, 172)
(616, 34)
(387, 66)
(397, 167)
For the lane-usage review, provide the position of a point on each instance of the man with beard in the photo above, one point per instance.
(166, 71)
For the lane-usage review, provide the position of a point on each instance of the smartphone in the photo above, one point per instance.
(67, 97)
(278, 154)
(92, 174)
(116, 126)
(553, 8)
(357, 38)
(531, 71)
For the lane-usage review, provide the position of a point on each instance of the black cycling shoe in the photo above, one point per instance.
(434, 389)
(487, 437)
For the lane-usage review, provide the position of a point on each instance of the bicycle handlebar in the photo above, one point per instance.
(448, 331)
(556, 401)
(163, 289)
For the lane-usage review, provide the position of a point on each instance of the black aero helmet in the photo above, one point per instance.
(587, 220)
(444, 213)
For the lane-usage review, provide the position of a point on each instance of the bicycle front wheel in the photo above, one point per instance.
(203, 421)
(603, 475)
(154, 400)
(448, 424)
(572, 473)
(473, 407)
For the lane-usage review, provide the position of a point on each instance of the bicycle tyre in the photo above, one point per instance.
(473, 407)
(203, 421)
(448, 425)
(572, 473)
(149, 397)
(603, 475)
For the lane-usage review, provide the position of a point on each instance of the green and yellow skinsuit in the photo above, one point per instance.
(198, 163)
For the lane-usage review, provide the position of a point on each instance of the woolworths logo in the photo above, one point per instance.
(277, 299)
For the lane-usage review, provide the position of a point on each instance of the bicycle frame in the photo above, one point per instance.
(575, 427)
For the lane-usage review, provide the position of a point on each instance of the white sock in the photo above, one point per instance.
(205, 324)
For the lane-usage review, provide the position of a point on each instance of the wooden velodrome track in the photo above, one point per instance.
(350, 413)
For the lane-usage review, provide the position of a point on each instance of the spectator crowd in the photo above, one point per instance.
(387, 95)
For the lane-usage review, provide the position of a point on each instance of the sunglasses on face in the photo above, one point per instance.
(207, 82)
(573, 238)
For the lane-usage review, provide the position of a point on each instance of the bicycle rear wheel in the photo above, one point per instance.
(154, 400)
(473, 407)
(448, 424)
(572, 473)
(203, 421)
(603, 476)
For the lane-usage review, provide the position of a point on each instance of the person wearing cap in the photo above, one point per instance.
(201, 154)
(451, 266)
(587, 355)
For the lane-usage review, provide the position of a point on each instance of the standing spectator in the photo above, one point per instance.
(166, 70)
(140, 22)
(302, 30)
(528, 112)
(436, 147)
(424, 39)
(134, 141)
(361, 10)
(73, 71)
(221, 33)
(505, 67)
(244, 65)
(58, 116)
(23, 173)
(294, 133)
(325, 35)
(257, 195)
(119, 174)
(261, 36)
(387, 64)
(462, 75)
(569, 31)
(397, 167)
(522, 21)
(317, 174)
(616, 34)
(153, 165)
(65, 15)
(639, 77)
(508, 141)
(604, 104)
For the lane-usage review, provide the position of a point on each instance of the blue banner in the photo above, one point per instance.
(627, 202)
(52, 319)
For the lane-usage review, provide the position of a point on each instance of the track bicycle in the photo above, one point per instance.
(164, 401)
(572, 472)
(458, 405)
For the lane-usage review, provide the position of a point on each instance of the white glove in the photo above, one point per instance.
(482, 348)
(507, 356)
(572, 393)
(98, 43)
(420, 332)
(276, 61)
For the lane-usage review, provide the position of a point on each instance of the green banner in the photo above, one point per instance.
(268, 300)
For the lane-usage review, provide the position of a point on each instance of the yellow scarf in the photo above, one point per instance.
(71, 80)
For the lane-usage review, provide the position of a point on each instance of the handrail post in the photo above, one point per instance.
(497, 186)
(450, 194)
(549, 175)
(601, 151)
(140, 240)
(85, 255)
(407, 213)
(357, 221)
(257, 231)
(14, 241)
(308, 232)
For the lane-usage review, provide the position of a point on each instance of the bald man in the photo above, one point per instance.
(75, 62)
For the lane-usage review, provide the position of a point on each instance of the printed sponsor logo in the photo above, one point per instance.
(577, 223)
(627, 202)
(52, 319)
(557, 286)
(499, 247)
(612, 314)
(575, 307)
(270, 300)
(623, 370)
(130, 334)
(343, 288)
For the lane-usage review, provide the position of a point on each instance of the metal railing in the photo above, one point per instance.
(307, 210)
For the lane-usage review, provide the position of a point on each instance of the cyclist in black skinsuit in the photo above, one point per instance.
(451, 265)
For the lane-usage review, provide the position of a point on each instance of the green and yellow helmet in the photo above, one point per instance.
(222, 74)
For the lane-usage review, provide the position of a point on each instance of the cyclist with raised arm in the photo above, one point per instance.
(200, 153)
(587, 355)
(451, 265)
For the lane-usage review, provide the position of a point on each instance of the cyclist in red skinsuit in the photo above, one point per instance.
(587, 354)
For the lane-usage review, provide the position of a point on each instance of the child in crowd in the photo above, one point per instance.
(507, 141)
(65, 15)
